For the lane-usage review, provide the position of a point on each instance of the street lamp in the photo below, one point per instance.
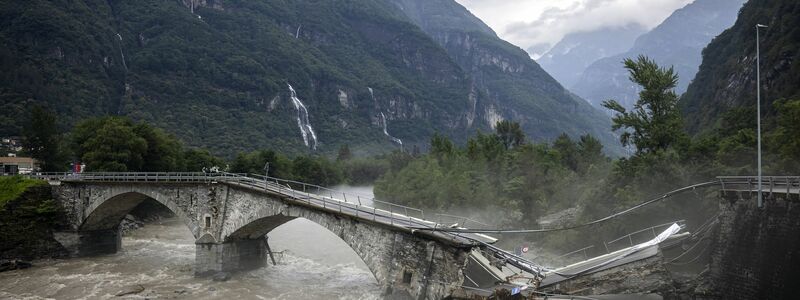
(758, 109)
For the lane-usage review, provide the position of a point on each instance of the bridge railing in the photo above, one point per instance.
(461, 221)
(769, 184)
(329, 198)
(135, 176)
(311, 193)
(651, 229)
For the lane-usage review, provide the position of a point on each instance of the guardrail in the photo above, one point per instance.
(652, 229)
(137, 176)
(629, 237)
(309, 193)
(769, 184)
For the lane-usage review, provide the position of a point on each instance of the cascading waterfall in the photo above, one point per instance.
(386, 132)
(121, 54)
(302, 120)
(383, 120)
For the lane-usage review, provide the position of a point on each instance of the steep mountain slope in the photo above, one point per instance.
(677, 42)
(727, 77)
(217, 73)
(567, 60)
(234, 75)
(506, 82)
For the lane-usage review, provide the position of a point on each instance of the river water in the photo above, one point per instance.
(315, 264)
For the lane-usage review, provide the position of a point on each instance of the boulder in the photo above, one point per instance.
(129, 290)
(222, 276)
(14, 264)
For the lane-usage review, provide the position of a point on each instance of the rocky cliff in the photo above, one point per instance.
(505, 83)
(727, 77)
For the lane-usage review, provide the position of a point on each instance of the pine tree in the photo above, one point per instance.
(654, 123)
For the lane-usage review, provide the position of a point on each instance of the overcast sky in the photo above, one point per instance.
(537, 25)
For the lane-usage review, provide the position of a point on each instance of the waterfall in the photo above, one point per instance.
(302, 120)
(297, 35)
(383, 119)
(121, 54)
(386, 132)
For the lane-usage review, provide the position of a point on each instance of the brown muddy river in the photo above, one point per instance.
(160, 257)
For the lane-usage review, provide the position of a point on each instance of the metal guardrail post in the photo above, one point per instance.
(771, 184)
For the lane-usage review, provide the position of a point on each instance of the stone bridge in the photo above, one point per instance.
(230, 215)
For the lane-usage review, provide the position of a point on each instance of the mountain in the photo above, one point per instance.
(727, 77)
(567, 60)
(505, 82)
(676, 42)
(235, 75)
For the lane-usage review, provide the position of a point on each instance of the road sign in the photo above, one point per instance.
(525, 249)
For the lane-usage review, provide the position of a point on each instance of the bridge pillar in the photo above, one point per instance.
(211, 258)
(90, 242)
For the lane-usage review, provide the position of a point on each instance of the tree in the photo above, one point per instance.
(590, 149)
(441, 146)
(110, 144)
(568, 150)
(197, 159)
(164, 151)
(510, 133)
(654, 123)
(41, 140)
(786, 137)
(344, 153)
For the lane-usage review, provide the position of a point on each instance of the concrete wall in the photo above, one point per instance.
(757, 250)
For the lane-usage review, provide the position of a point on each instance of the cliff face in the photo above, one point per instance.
(570, 57)
(235, 75)
(676, 42)
(506, 83)
(727, 76)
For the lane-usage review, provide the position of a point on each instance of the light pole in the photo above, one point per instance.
(758, 110)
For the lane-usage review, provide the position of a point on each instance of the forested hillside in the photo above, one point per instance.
(217, 74)
(726, 81)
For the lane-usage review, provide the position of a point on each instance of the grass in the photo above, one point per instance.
(13, 186)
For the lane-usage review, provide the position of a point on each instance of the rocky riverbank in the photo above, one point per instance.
(27, 223)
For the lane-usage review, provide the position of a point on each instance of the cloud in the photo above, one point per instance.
(536, 25)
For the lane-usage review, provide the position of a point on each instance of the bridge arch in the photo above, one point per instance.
(106, 211)
(362, 239)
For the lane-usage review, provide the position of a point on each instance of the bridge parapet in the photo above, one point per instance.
(746, 187)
